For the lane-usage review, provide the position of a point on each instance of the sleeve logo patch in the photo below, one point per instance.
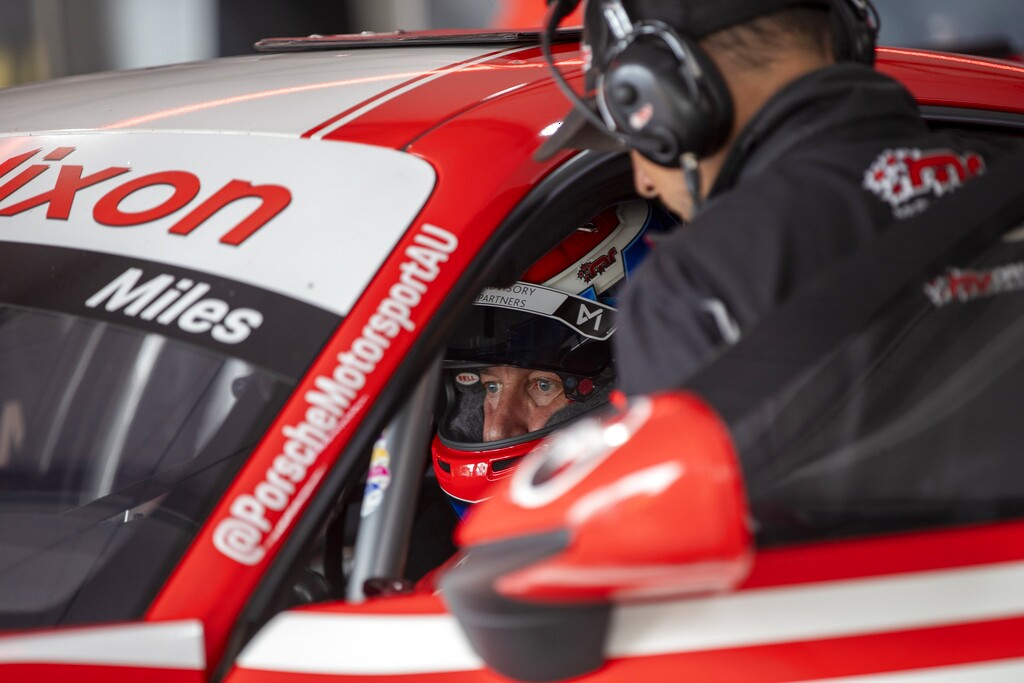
(967, 285)
(905, 178)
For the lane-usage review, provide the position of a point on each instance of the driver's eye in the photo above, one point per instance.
(545, 389)
(492, 387)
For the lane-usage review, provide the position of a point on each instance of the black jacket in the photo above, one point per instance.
(832, 160)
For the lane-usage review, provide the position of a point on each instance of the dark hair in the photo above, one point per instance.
(756, 44)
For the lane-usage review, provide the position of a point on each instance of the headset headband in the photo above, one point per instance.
(694, 87)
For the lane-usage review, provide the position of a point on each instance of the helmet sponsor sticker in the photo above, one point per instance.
(282, 214)
(906, 178)
(467, 379)
(591, 269)
(609, 262)
(590, 318)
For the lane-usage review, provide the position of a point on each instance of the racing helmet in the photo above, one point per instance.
(555, 322)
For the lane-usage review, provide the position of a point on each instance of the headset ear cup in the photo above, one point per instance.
(664, 105)
(854, 34)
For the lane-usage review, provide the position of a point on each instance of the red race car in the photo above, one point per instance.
(225, 294)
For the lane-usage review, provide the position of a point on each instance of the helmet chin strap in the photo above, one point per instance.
(691, 176)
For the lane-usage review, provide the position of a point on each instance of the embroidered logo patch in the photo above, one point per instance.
(968, 285)
(905, 178)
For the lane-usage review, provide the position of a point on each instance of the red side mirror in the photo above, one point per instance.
(646, 503)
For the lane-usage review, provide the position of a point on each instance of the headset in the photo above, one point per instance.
(658, 92)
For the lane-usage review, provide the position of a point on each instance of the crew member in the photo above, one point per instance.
(764, 124)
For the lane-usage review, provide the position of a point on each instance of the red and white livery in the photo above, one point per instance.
(225, 290)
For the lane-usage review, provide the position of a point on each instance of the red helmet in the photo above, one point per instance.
(548, 337)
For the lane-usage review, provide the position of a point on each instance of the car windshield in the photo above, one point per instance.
(114, 444)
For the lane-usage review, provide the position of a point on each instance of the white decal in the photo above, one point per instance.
(246, 534)
(572, 310)
(293, 641)
(182, 303)
(874, 604)
(586, 315)
(432, 643)
(176, 645)
(522, 296)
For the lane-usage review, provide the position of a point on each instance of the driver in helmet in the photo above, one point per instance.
(533, 356)
(519, 400)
